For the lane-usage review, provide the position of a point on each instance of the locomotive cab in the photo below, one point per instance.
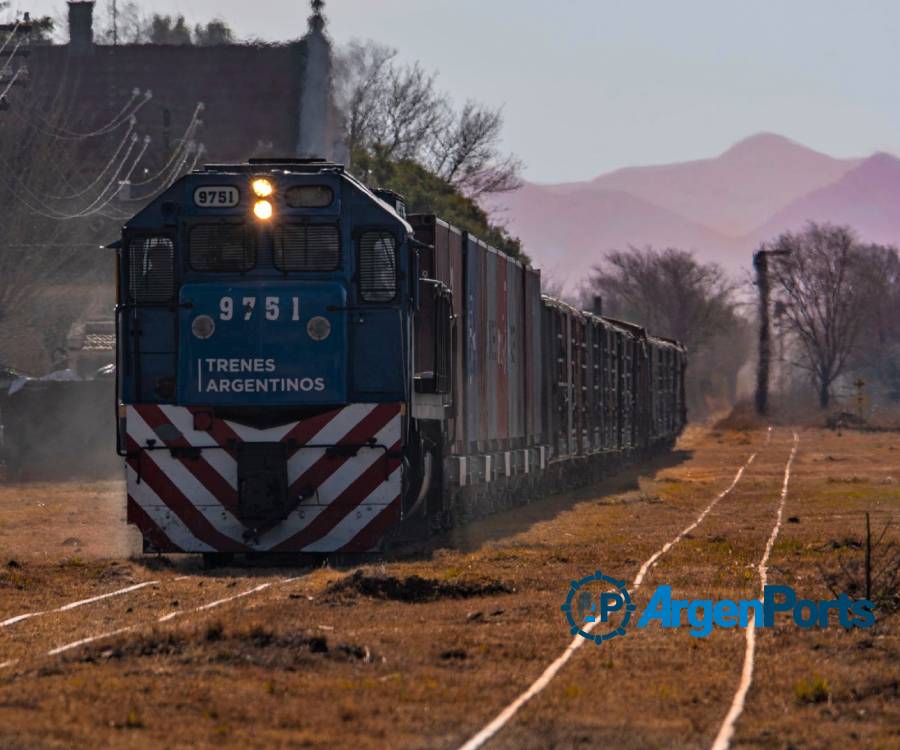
(264, 320)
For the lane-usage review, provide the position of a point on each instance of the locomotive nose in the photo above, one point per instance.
(243, 344)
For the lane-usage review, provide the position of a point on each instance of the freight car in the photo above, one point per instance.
(303, 368)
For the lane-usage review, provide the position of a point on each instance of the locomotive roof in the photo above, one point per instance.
(304, 166)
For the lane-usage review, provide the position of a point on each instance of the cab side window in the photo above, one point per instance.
(377, 266)
(151, 269)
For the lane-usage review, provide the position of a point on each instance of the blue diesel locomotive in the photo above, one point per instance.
(303, 368)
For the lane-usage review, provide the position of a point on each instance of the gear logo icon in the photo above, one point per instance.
(585, 609)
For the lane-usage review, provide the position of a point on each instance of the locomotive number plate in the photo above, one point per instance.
(216, 196)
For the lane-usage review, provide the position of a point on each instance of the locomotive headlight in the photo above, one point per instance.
(318, 328)
(262, 188)
(203, 326)
(262, 209)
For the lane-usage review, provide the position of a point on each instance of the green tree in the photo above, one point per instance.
(425, 192)
(166, 30)
(214, 32)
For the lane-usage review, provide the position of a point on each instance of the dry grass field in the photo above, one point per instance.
(423, 652)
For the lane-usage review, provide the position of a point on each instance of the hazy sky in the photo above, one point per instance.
(592, 85)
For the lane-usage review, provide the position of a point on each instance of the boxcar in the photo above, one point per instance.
(304, 368)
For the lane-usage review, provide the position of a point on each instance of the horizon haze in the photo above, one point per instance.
(721, 207)
(589, 87)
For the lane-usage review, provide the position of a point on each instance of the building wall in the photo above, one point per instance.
(251, 93)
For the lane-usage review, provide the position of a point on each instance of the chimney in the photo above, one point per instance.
(81, 25)
(316, 105)
(597, 305)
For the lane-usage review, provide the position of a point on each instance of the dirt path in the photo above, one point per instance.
(334, 658)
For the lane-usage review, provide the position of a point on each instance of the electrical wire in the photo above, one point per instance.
(201, 149)
(123, 216)
(11, 36)
(12, 55)
(11, 82)
(41, 198)
(176, 172)
(96, 205)
(185, 138)
(102, 200)
(118, 120)
(102, 173)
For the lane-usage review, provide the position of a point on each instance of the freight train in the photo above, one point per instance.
(302, 367)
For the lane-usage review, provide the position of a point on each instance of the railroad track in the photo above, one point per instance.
(726, 731)
(33, 637)
(750, 508)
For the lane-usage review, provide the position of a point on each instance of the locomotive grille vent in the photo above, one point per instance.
(151, 269)
(222, 247)
(307, 247)
(377, 267)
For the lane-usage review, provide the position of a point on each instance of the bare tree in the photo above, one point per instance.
(129, 25)
(668, 291)
(360, 89)
(168, 30)
(672, 294)
(824, 287)
(213, 32)
(465, 152)
(396, 112)
(408, 114)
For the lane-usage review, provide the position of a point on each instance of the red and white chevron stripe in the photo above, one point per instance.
(184, 503)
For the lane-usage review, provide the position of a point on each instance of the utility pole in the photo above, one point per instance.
(115, 23)
(761, 266)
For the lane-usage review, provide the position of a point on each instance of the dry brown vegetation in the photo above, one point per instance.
(423, 652)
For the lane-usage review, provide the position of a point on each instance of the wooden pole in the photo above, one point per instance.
(868, 559)
(760, 264)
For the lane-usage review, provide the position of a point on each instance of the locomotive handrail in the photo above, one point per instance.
(168, 305)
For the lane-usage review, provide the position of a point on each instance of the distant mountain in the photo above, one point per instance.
(734, 192)
(720, 208)
(866, 198)
(566, 234)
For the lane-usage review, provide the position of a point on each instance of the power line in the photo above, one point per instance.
(118, 120)
(12, 54)
(188, 134)
(100, 176)
(179, 172)
(12, 82)
(12, 34)
(40, 198)
(42, 209)
(96, 206)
